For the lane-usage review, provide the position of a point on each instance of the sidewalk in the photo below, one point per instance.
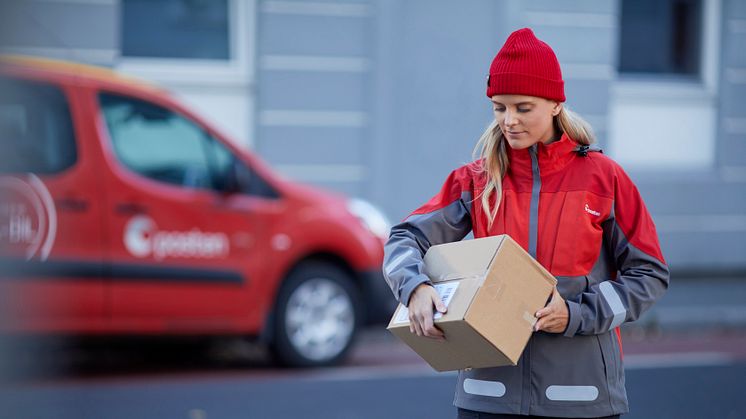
(700, 318)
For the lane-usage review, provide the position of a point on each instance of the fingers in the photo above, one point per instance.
(429, 329)
(544, 317)
(421, 305)
(545, 311)
(421, 323)
(549, 320)
(414, 323)
(547, 324)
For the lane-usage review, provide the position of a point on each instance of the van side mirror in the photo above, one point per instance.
(230, 184)
(226, 180)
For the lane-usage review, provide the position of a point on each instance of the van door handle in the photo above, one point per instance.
(129, 208)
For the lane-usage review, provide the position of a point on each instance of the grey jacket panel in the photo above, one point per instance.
(595, 390)
(608, 303)
(403, 266)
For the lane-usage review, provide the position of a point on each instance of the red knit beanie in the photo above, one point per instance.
(525, 65)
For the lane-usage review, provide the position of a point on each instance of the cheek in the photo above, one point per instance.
(538, 123)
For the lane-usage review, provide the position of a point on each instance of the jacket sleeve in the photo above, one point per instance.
(643, 276)
(445, 218)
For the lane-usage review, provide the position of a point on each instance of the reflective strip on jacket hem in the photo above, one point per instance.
(572, 393)
(484, 388)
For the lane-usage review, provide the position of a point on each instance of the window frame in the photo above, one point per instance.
(662, 92)
(633, 75)
(236, 70)
(703, 85)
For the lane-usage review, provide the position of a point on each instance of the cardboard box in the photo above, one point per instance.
(492, 289)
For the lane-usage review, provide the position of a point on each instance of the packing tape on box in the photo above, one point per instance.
(453, 276)
(531, 319)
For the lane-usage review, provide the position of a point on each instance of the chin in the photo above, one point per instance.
(519, 144)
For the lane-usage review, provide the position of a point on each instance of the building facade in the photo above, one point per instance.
(382, 98)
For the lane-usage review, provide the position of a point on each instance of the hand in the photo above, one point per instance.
(420, 307)
(554, 317)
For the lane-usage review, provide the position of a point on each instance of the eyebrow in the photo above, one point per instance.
(517, 104)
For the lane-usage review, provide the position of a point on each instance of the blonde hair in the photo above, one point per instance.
(491, 149)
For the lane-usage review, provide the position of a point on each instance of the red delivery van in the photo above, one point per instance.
(122, 212)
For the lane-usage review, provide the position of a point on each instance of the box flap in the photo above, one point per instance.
(464, 259)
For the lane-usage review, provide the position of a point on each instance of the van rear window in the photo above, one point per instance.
(36, 131)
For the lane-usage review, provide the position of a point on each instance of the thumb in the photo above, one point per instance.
(439, 304)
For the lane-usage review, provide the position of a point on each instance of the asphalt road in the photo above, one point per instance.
(672, 392)
(667, 377)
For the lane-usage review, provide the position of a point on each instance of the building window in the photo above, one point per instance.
(661, 37)
(192, 29)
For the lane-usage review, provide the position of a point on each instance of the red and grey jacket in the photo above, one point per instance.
(579, 214)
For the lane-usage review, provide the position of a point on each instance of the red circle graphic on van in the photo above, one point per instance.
(28, 221)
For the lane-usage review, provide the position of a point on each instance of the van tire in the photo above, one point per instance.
(317, 316)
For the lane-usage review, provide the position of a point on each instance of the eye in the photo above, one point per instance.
(498, 109)
(524, 110)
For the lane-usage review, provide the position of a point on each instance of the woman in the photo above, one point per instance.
(540, 180)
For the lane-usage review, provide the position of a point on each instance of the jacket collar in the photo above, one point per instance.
(552, 157)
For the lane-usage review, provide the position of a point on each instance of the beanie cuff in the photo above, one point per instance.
(525, 84)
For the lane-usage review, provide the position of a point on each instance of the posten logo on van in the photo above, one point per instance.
(143, 239)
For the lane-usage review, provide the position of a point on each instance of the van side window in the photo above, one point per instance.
(156, 142)
(36, 130)
(231, 174)
(165, 146)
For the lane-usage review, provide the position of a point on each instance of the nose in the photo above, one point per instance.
(509, 119)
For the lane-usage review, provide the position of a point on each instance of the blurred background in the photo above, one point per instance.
(380, 100)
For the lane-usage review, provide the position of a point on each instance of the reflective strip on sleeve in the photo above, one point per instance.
(401, 257)
(614, 302)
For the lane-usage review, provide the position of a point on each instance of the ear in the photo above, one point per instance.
(556, 108)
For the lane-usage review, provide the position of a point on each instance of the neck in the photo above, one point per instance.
(556, 135)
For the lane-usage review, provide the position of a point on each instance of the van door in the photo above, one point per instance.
(51, 238)
(176, 264)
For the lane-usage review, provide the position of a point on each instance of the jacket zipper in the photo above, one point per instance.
(533, 237)
(533, 216)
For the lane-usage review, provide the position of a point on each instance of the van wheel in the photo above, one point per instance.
(317, 316)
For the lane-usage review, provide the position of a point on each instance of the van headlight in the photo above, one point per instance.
(370, 216)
